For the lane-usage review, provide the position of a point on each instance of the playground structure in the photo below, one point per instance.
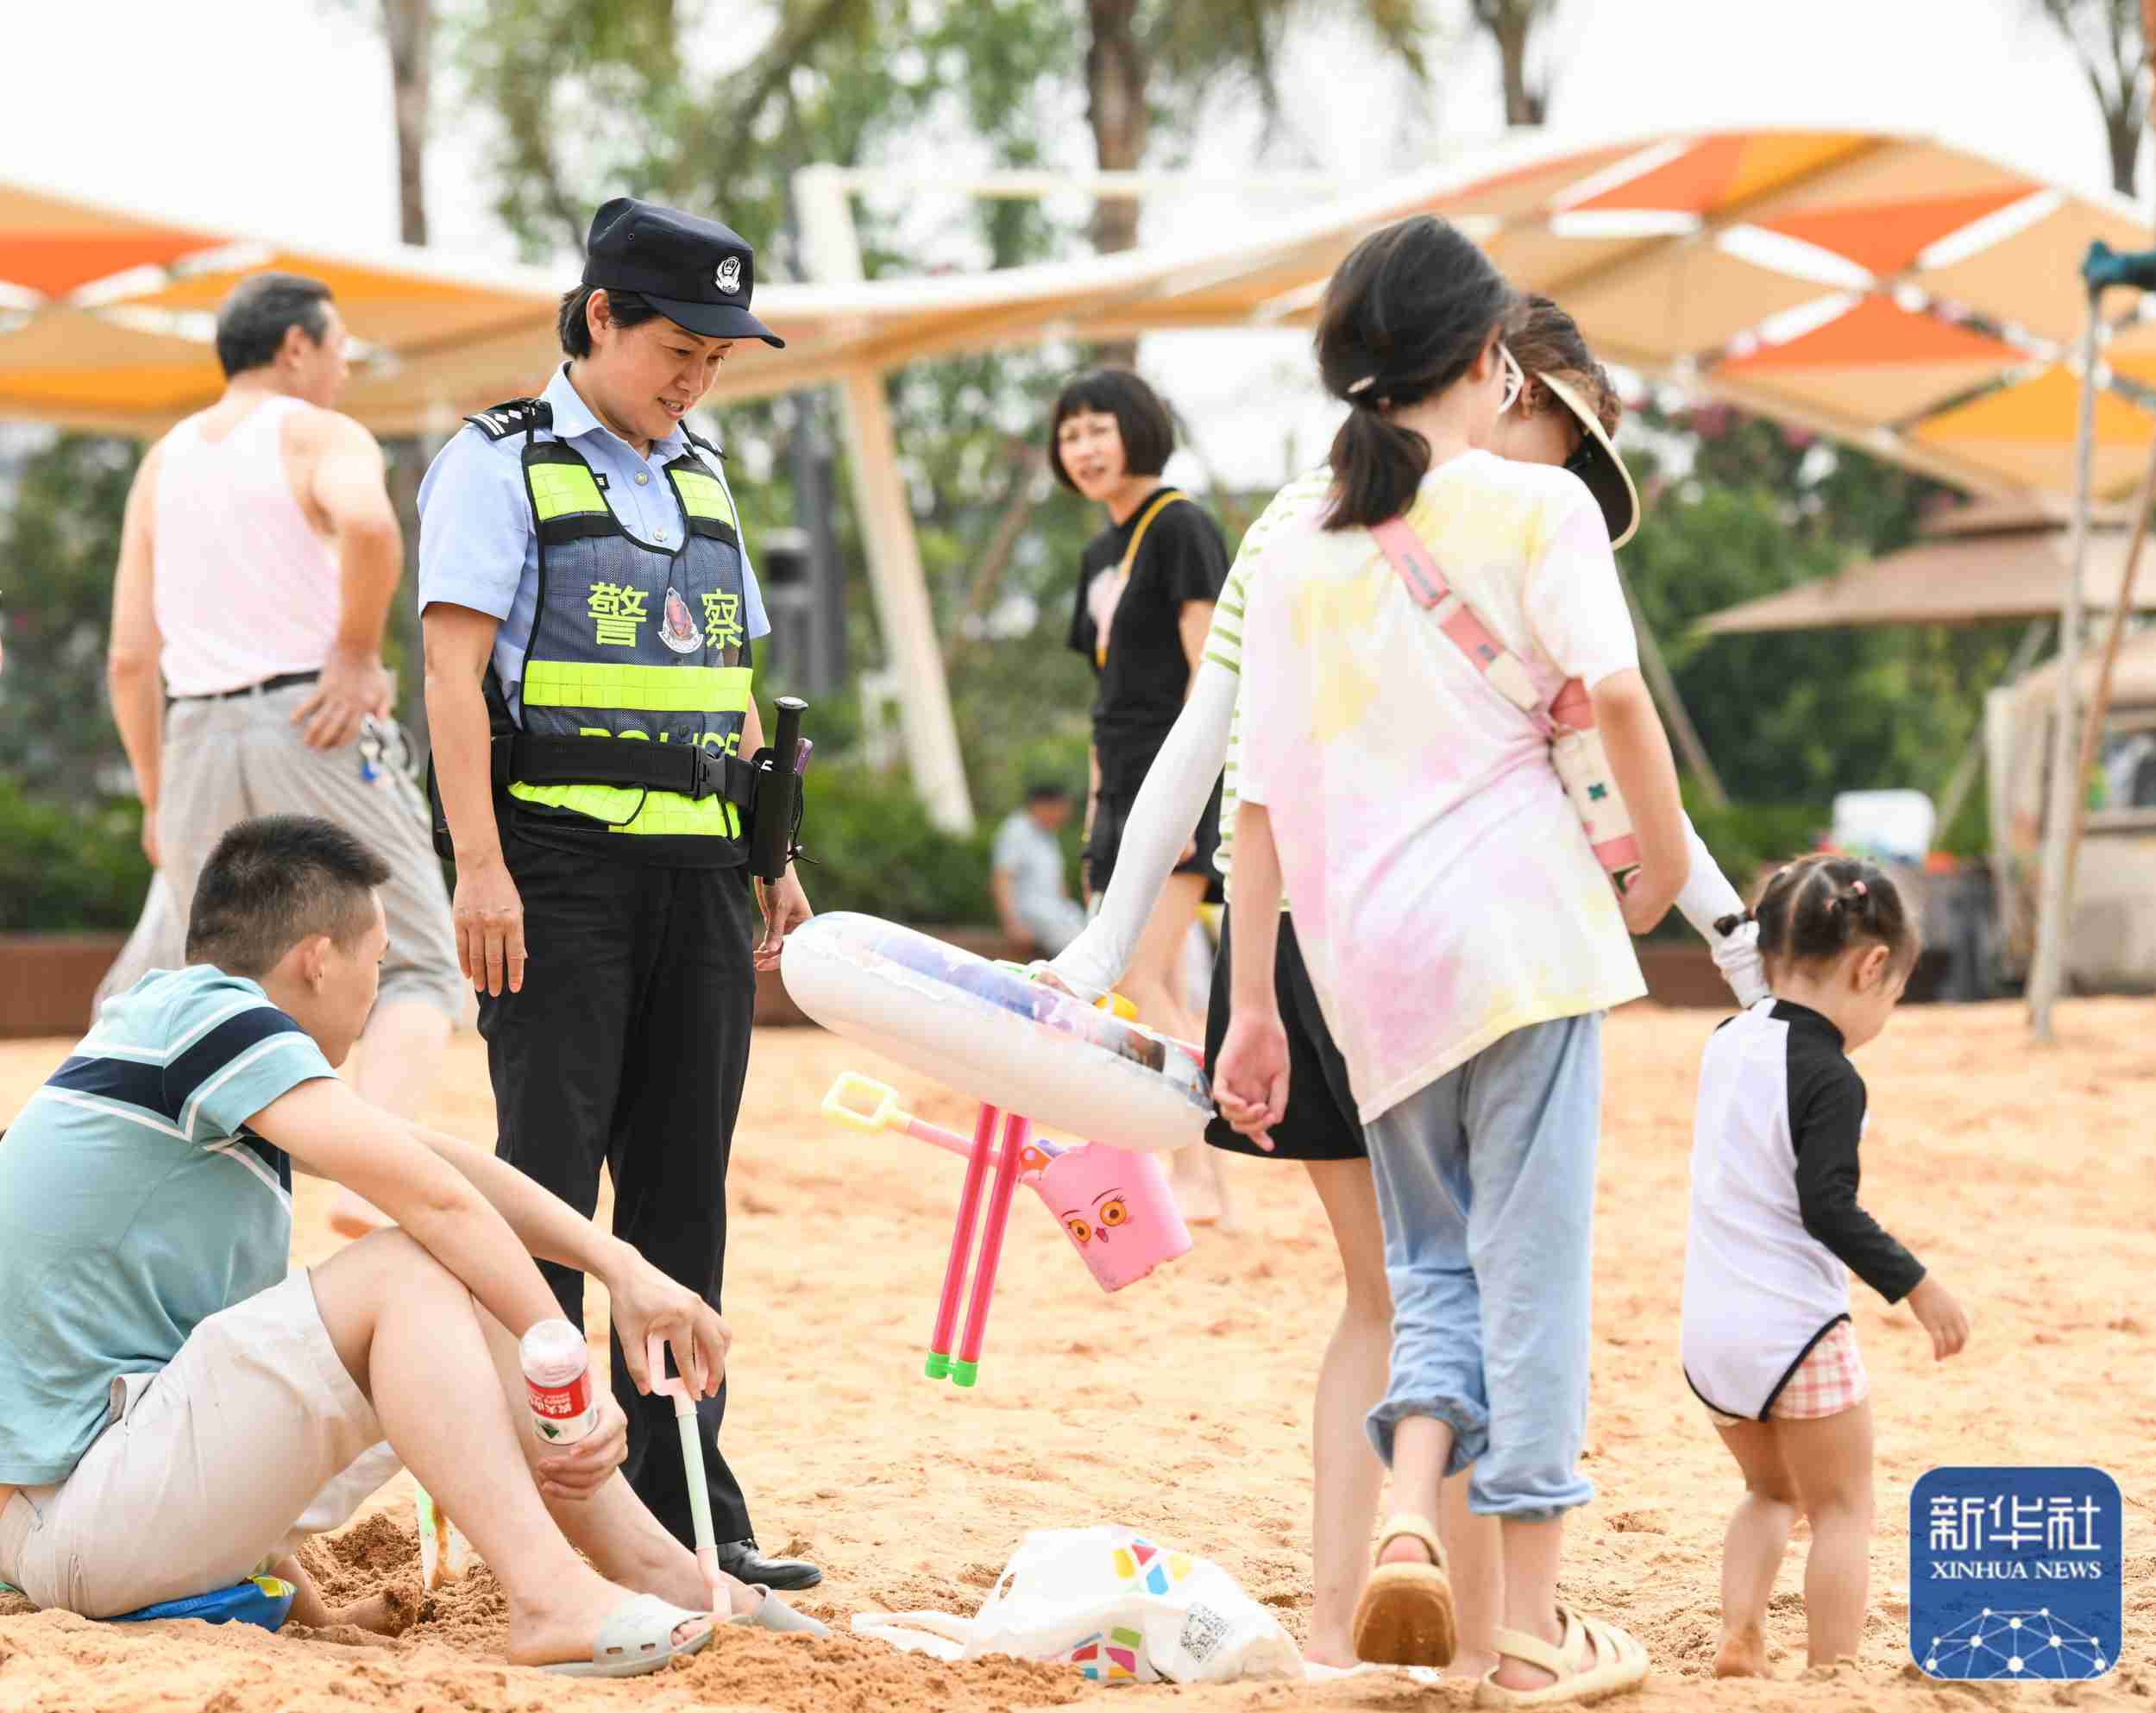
(2110, 941)
(1888, 290)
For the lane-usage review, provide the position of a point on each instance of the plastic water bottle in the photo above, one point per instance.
(557, 1379)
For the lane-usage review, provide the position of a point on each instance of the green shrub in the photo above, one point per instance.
(873, 848)
(1748, 837)
(69, 869)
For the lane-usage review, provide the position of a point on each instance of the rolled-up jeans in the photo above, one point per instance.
(1485, 1184)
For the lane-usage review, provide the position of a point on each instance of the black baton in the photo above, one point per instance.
(777, 796)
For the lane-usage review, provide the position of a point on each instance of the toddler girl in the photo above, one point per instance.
(1775, 1231)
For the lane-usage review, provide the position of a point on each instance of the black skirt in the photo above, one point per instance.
(1320, 1123)
(1112, 814)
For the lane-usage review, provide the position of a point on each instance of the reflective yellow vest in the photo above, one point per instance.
(634, 641)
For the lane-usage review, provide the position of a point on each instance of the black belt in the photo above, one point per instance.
(283, 681)
(770, 801)
(693, 770)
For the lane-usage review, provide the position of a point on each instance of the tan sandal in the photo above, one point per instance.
(1404, 1616)
(1594, 1659)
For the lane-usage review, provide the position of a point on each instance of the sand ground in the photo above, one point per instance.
(1180, 1405)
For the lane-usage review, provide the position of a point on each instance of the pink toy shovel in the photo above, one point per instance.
(692, 1463)
(882, 1113)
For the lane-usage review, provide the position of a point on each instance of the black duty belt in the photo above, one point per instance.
(694, 770)
(768, 796)
(283, 681)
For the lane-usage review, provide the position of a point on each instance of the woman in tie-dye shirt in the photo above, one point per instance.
(1462, 939)
(1564, 416)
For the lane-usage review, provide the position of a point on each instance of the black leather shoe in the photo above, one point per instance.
(741, 1560)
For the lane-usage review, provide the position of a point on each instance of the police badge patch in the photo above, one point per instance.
(676, 630)
(729, 275)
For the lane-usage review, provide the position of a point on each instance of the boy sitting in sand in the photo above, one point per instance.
(177, 1411)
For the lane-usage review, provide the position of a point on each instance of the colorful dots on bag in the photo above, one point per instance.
(1110, 1656)
(1140, 1562)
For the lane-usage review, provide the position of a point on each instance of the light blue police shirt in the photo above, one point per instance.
(478, 547)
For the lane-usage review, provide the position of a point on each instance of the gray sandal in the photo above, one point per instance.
(638, 1637)
(774, 1614)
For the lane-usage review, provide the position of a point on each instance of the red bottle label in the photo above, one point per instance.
(562, 1413)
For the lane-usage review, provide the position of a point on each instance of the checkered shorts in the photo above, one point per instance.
(1830, 1379)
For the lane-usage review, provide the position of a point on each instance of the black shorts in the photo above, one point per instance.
(1111, 814)
(1321, 1122)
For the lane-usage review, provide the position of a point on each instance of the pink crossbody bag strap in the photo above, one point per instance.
(1566, 721)
(1507, 673)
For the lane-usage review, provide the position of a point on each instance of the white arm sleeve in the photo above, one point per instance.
(1707, 897)
(1166, 813)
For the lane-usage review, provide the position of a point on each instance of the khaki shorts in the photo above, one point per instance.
(249, 1440)
(226, 761)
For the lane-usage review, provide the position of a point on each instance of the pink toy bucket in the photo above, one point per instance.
(1116, 1209)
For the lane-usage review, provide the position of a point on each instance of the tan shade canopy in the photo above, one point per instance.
(1962, 580)
(105, 318)
(1912, 297)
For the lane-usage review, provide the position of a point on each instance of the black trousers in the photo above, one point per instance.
(629, 1044)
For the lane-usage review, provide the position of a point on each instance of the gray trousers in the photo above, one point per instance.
(227, 761)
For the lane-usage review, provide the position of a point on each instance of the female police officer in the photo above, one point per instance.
(589, 612)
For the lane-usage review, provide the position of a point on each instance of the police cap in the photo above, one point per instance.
(692, 271)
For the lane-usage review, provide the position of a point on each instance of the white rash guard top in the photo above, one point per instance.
(1776, 1227)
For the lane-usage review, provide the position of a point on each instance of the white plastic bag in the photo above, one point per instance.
(1112, 1603)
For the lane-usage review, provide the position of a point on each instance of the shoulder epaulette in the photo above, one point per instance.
(518, 416)
(710, 446)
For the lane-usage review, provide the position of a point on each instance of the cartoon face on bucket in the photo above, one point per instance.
(2016, 1574)
(1117, 1210)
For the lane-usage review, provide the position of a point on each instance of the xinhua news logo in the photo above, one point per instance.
(2015, 1573)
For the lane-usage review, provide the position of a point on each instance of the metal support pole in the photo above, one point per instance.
(2055, 899)
(2100, 699)
(832, 250)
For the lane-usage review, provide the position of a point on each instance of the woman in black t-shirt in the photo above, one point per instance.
(1147, 586)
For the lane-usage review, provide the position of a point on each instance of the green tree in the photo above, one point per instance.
(585, 103)
(2106, 36)
(1791, 718)
(59, 538)
(1511, 26)
(1147, 60)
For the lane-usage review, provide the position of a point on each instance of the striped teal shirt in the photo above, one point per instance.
(135, 1202)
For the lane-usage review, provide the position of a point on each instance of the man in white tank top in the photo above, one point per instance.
(257, 563)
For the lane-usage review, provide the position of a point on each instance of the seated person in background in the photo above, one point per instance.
(178, 1412)
(1025, 873)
